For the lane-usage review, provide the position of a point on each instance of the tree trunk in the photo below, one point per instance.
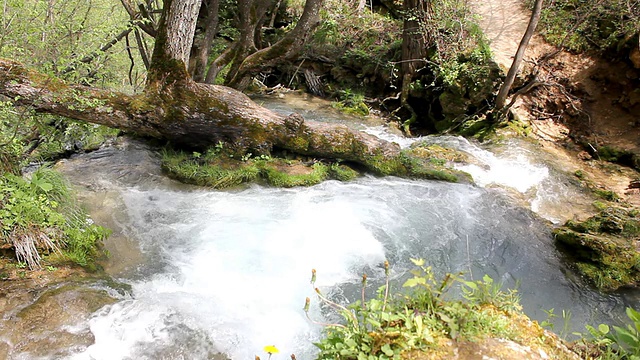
(175, 108)
(517, 60)
(173, 41)
(416, 41)
(194, 115)
(285, 49)
(211, 27)
(250, 14)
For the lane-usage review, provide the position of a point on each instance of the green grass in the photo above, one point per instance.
(220, 169)
(40, 219)
(275, 176)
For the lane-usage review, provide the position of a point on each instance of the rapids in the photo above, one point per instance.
(228, 271)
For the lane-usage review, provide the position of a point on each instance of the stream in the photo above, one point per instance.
(227, 272)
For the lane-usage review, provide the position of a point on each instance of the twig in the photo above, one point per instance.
(295, 73)
(128, 46)
(87, 59)
(386, 285)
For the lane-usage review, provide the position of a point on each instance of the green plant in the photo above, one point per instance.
(351, 102)
(393, 323)
(590, 25)
(38, 216)
(624, 342)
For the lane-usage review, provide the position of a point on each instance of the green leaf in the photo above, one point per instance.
(417, 262)
(350, 342)
(626, 336)
(385, 316)
(487, 279)
(374, 323)
(444, 317)
(633, 315)
(471, 284)
(414, 282)
(603, 328)
(418, 321)
(46, 187)
(386, 349)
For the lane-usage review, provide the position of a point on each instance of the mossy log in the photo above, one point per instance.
(196, 115)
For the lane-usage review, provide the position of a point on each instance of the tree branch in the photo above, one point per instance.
(87, 59)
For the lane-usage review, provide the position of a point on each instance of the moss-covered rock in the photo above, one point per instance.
(222, 168)
(604, 247)
(282, 174)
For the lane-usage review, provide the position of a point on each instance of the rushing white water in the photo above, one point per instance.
(228, 271)
(517, 166)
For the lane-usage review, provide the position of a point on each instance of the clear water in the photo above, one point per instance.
(228, 271)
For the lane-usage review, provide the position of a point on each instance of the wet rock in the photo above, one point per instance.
(49, 322)
(604, 247)
(534, 343)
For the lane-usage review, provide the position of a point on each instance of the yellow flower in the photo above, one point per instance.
(271, 349)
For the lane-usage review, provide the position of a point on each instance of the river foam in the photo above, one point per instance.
(229, 271)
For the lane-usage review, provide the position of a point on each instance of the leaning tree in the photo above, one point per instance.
(176, 108)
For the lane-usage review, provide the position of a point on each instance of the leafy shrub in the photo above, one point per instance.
(421, 318)
(351, 102)
(590, 25)
(38, 216)
(621, 343)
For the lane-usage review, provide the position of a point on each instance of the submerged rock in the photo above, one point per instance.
(45, 313)
(604, 247)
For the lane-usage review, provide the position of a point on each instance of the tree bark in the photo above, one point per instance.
(194, 115)
(174, 40)
(285, 49)
(250, 13)
(501, 99)
(211, 27)
(416, 41)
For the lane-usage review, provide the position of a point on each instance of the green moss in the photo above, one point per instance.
(437, 152)
(277, 175)
(351, 102)
(381, 165)
(417, 163)
(342, 172)
(602, 247)
(606, 194)
(478, 128)
(299, 143)
(220, 168)
(611, 154)
(215, 170)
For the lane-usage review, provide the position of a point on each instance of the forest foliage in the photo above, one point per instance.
(604, 26)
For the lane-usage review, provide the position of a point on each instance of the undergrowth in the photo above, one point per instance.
(604, 342)
(219, 168)
(38, 218)
(601, 25)
(423, 317)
